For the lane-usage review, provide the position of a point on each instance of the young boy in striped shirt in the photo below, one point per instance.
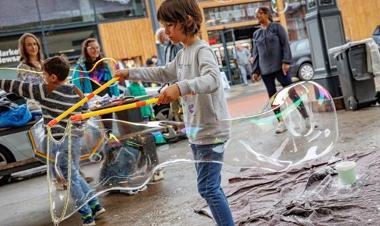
(55, 97)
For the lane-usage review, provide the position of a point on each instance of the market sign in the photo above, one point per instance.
(9, 56)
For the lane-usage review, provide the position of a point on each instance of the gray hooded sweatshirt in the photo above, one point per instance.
(204, 105)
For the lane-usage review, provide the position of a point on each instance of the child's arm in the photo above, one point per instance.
(84, 107)
(24, 89)
(152, 74)
(209, 80)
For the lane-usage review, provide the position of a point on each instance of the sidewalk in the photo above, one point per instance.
(241, 90)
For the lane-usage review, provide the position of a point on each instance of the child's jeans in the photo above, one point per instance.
(209, 179)
(80, 190)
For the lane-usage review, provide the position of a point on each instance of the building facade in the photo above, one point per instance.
(126, 31)
(63, 25)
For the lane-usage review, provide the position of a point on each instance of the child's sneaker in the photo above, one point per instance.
(133, 192)
(280, 127)
(88, 220)
(97, 210)
(158, 175)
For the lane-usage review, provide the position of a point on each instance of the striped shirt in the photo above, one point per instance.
(53, 104)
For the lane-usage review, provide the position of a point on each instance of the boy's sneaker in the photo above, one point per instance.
(97, 210)
(158, 175)
(133, 192)
(280, 127)
(88, 220)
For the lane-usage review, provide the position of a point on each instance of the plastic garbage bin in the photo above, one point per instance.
(356, 79)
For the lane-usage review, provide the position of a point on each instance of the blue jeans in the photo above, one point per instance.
(209, 179)
(80, 191)
(245, 70)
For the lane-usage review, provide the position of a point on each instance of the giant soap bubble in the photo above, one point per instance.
(126, 157)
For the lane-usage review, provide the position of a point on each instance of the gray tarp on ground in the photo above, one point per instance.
(306, 196)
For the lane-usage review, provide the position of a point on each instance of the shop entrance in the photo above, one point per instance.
(223, 43)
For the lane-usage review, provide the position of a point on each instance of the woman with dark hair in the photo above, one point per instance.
(272, 58)
(86, 80)
(31, 58)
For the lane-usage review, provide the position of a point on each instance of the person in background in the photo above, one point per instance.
(170, 52)
(244, 59)
(31, 58)
(170, 49)
(55, 98)
(88, 81)
(196, 71)
(30, 66)
(271, 60)
(154, 61)
(136, 89)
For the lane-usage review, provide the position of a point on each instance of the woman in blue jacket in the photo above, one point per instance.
(86, 80)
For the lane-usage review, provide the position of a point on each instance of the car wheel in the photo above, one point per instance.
(5, 158)
(306, 72)
(162, 112)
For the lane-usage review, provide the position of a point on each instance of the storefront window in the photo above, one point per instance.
(119, 9)
(58, 12)
(232, 14)
(326, 2)
(311, 4)
(68, 42)
(295, 14)
(18, 15)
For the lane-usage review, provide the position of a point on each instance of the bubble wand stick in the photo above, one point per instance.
(137, 104)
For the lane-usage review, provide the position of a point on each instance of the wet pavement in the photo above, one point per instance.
(170, 202)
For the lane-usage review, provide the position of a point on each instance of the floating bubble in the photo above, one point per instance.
(126, 157)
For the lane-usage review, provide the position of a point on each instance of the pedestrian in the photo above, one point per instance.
(30, 66)
(271, 60)
(243, 58)
(196, 71)
(55, 98)
(170, 48)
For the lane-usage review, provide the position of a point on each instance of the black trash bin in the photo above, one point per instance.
(357, 83)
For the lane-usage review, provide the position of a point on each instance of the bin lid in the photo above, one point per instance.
(342, 48)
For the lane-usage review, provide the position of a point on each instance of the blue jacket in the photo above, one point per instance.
(270, 49)
(103, 76)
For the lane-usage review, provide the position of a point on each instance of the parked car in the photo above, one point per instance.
(162, 111)
(376, 35)
(301, 66)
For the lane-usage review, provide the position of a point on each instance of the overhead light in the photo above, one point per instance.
(119, 1)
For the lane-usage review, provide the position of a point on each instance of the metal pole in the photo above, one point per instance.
(155, 25)
(226, 56)
(44, 41)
